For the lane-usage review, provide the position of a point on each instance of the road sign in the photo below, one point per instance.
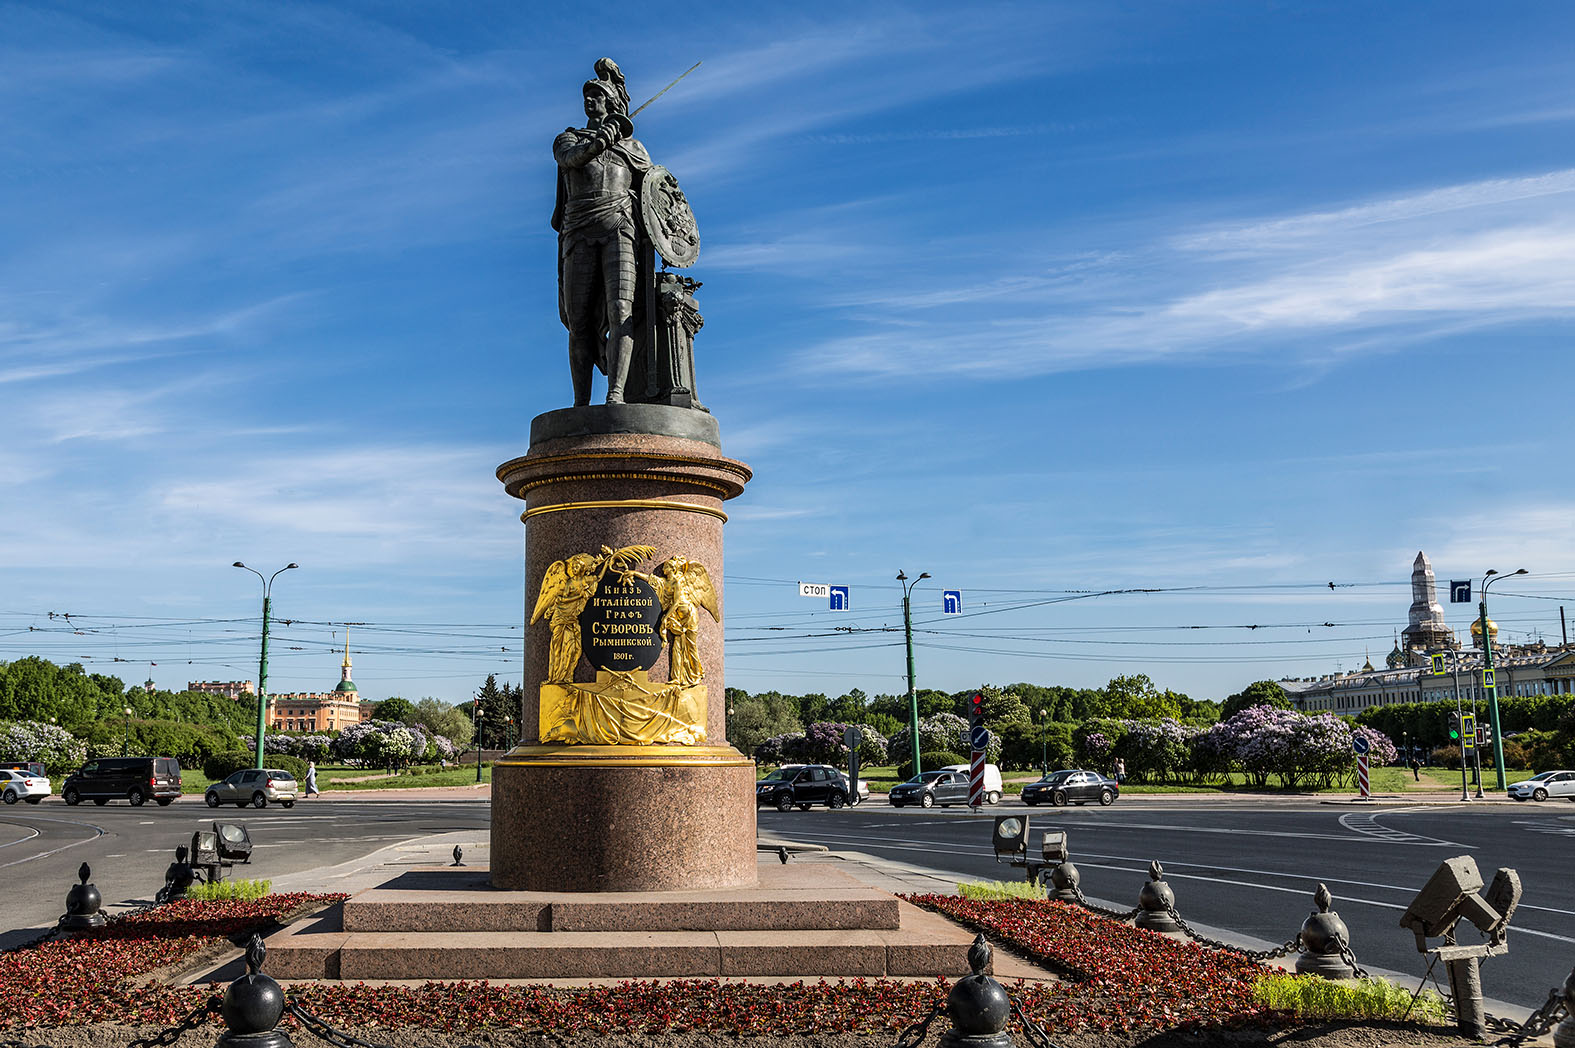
(979, 738)
(1438, 664)
(1468, 732)
(951, 602)
(839, 598)
(1360, 744)
(1488, 679)
(1459, 592)
(813, 589)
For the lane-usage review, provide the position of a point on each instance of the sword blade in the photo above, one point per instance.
(664, 90)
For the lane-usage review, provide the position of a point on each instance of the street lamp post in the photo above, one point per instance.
(125, 745)
(1487, 668)
(1044, 743)
(262, 662)
(475, 714)
(907, 628)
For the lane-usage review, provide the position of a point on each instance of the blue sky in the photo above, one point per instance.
(1227, 301)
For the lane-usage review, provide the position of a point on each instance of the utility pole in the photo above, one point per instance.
(907, 627)
(1487, 675)
(475, 713)
(262, 663)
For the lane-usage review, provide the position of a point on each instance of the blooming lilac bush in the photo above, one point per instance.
(1154, 751)
(54, 747)
(824, 743)
(942, 733)
(375, 743)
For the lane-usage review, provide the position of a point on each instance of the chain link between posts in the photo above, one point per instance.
(316, 1024)
(1116, 915)
(1287, 948)
(1539, 1024)
(913, 1035)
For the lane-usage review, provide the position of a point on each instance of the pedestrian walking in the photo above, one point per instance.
(1416, 769)
(1121, 770)
(311, 779)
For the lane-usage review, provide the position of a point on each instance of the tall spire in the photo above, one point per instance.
(1426, 629)
(345, 683)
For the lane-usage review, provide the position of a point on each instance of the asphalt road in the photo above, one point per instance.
(1250, 867)
(1253, 867)
(128, 848)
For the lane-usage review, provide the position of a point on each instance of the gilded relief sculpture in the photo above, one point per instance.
(684, 586)
(599, 607)
(565, 589)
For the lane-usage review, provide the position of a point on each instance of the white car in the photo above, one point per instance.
(23, 786)
(1545, 784)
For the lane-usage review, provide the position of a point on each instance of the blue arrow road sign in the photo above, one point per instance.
(839, 598)
(951, 602)
(1360, 744)
(1459, 592)
(979, 737)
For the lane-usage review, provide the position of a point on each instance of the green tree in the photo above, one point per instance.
(755, 718)
(440, 718)
(1258, 693)
(394, 709)
(493, 699)
(1136, 697)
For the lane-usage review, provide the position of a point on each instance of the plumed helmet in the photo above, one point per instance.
(609, 82)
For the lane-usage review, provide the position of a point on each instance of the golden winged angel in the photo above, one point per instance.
(565, 589)
(684, 586)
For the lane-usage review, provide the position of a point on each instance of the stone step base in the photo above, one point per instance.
(926, 945)
(796, 896)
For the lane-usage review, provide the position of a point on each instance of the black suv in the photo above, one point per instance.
(137, 779)
(802, 785)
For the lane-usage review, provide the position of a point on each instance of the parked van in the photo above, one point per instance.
(136, 779)
(992, 780)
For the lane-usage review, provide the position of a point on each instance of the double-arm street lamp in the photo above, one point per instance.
(1044, 743)
(907, 628)
(262, 663)
(1487, 674)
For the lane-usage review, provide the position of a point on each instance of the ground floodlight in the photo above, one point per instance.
(1010, 837)
(1055, 846)
(234, 842)
(205, 848)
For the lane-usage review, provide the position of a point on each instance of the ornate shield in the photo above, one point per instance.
(668, 221)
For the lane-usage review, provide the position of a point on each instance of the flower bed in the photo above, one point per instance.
(89, 977)
(1122, 979)
(1128, 978)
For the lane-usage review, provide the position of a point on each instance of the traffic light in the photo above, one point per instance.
(976, 710)
(1454, 727)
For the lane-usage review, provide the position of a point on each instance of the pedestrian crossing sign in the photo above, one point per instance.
(1438, 664)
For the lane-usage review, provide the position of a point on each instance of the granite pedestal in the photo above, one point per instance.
(444, 923)
(577, 818)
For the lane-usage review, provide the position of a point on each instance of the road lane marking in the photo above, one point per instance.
(33, 830)
(1367, 824)
(907, 844)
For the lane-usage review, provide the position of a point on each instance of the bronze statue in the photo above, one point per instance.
(684, 587)
(599, 172)
(614, 207)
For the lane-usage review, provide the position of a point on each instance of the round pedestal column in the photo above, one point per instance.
(569, 817)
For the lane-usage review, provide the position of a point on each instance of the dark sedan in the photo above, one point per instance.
(1072, 786)
(802, 785)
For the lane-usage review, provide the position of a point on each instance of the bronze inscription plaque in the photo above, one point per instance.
(619, 628)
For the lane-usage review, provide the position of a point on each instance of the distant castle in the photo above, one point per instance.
(303, 711)
(1522, 669)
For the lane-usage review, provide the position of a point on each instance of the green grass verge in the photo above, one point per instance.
(405, 780)
(995, 891)
(1314, 997)
(229, 890)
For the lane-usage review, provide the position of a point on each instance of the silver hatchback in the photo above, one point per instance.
(254, 786)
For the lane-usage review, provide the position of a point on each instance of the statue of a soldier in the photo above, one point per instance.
(597, 218)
